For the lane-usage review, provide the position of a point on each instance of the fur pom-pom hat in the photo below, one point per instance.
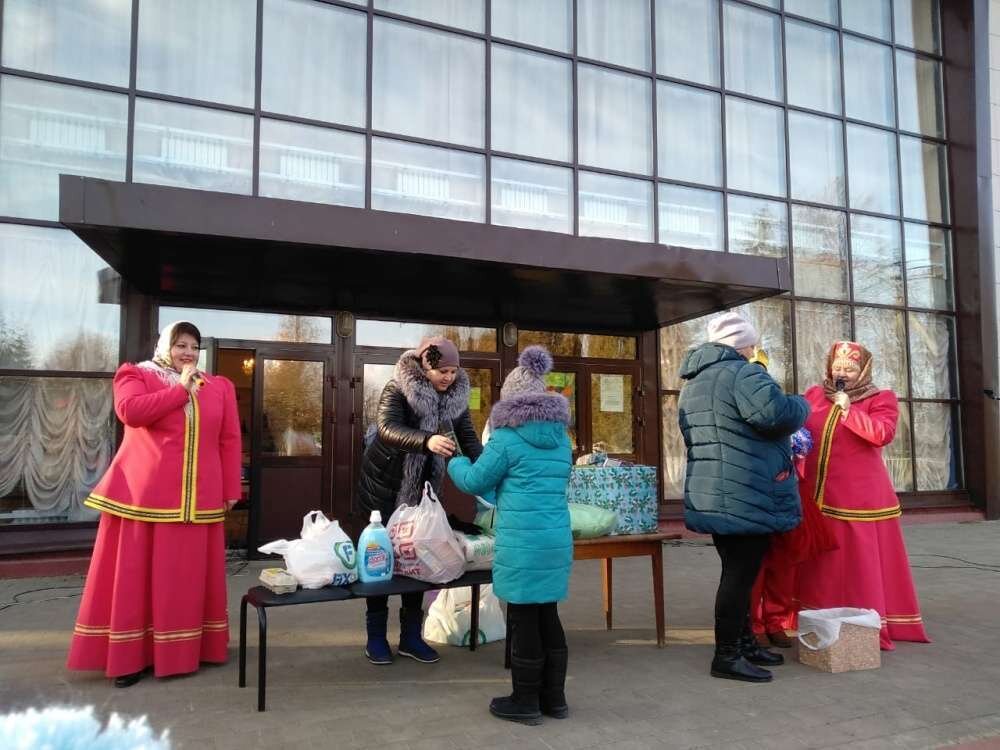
(529, 375)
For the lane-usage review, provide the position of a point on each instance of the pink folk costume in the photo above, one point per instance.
(849, 482)
(155, 594)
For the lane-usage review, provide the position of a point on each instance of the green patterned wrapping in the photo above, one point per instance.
(630, 491)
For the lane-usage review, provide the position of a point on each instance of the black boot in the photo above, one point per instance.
(729, 664)
(521, 705)
(128, 680)
(552, 699)
(754, 653)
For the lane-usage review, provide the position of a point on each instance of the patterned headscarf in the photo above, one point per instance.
(852, 356)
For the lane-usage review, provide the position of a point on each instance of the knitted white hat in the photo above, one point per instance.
(732, 329)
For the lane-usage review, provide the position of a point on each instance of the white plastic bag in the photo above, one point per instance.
(449, 619)
(324, 554)
(825, 623)
(423, 544)
(478, 550)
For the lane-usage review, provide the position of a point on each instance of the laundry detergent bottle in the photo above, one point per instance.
(374, 551)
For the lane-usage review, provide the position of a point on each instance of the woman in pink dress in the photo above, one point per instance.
(852, 421)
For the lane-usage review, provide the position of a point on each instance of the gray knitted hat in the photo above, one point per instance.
(529, 375)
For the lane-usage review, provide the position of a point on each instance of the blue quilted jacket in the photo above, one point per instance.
(736, 423)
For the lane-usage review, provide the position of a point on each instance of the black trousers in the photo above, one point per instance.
(535, 629)
(414, 600)
(741, 557)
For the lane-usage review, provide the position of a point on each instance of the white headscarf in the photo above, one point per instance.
(162, 363)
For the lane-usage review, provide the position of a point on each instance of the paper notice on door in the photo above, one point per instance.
(613, 393)
(475, 399)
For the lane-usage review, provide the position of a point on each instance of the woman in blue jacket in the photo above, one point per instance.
(527, 463)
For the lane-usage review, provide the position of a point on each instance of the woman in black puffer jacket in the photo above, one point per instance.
(427, 396)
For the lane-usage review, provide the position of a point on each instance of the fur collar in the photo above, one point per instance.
(420, 394)
(530, 407)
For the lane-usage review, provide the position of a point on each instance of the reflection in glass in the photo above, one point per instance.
(687, 40)
(868, 93)
(675, 342)
(816, 156)
(198, 50)
(86, 39)
(244, 325)
(817, 328)
(532, 104)
(531, 196)
(462, 14)
(755, 147)
(690, 218)
(939, 463)
(396, 335)
(414, 179)
(924, 167)
(57, 437)
(918, 24)
(758, 227)
(292, 413)
(615, 120)
(819, 242)
(689, 141)
(884, 333)
(615, 31)
(373, 382)
(772, 319)
(195, 147)
(579, 344)
(898, 455)
(674, 451)
(611, 420)
(548, 24)
(48, 129)
(314, 61)
(428, 83)
(51, 316)
(616, 207)
(821, 10)
(307, 163)
(920, 86)
(932, 348)
(813, 66)
(565, 383)
(480, 396)
(928, 266)
(753, 51)
(871, 17)
(872, 177)
(877, 253)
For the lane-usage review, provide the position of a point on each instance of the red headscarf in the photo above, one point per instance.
(850, 355)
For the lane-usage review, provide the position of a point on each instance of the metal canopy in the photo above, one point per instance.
(196, 247)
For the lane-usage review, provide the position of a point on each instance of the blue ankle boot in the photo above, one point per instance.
(377, 650)
(411, 642)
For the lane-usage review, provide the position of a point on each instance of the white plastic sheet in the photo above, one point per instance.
(825, 623)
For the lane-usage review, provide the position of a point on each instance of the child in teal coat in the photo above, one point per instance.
(526, 463)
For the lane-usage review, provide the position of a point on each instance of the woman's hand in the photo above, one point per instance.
(441, 445)
(843, 401)
(190, 379)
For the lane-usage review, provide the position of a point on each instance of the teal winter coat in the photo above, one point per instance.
(527, 462)
(736, 423)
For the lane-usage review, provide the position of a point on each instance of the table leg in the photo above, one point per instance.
(474, 619)
(607, 576)
(243, 642)
(661, 626)
(261, 657)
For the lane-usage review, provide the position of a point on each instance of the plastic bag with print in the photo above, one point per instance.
(423, 543)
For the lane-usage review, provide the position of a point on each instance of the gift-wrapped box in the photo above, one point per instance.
(629, 491)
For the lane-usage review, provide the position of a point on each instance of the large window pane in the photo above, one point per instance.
(873, 179)
(932, 347)
(292, 407)
(532, 104)
(753, 51)
(414, 179)
(314, 61)
(393, 334)
(615, 31)
(817, 328)
(674, 451)
(306, 163)
(813, 67)
(871, 17)
(532, 196)
(921, 94)
(755, 147)
(928, 267)
(758, 227)
(198, 49)
(548, 24)
(898, 455)
(616, 207)
(615, 120)
(48, 129)
(588, 345)
(868, 93)
(57, 436)
(689, 141)
(675, 342)
(884, 333)
(924, 167)
(687, 40)
(251, 326)
(821, 10)
(772, 319)
(819, 242)
(939, 463)
(86, 39)
(462, 14)
(877, 253)
(918, 24)
(192, 147)
(690, 218)
(816, 156)
(54, 313)
(428, 83)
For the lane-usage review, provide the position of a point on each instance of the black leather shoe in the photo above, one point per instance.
(127, 680)
(729, 664)
(754, 653)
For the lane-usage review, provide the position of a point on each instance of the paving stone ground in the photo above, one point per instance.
(624, 692)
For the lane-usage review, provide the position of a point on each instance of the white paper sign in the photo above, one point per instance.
(613, 393)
